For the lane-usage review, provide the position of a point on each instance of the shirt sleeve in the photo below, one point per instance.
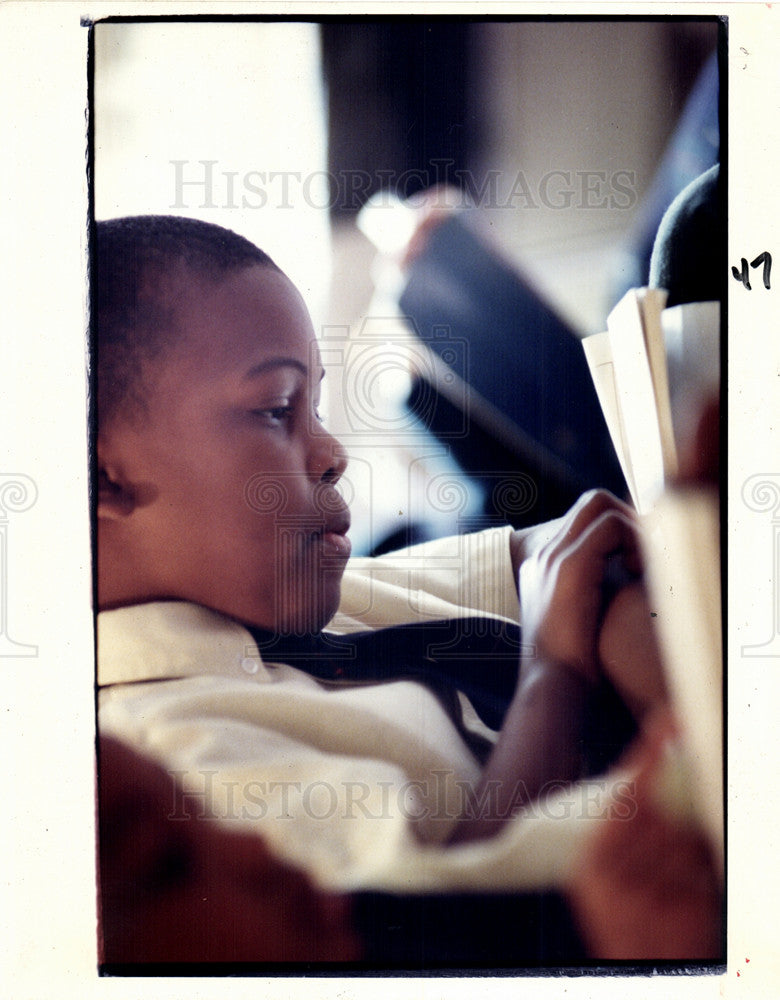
(339, 781)
(344, 818)
(461, 576)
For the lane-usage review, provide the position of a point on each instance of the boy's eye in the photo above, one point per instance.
(274, 414)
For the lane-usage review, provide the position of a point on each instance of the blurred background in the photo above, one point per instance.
(561, 143)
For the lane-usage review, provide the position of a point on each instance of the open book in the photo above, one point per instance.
(648, 367)
(682, 545)
(651, 368)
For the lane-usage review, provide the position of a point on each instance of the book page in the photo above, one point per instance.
(692, 347)
(683, 555)
(653, 301)
(602, 369)
(636, 397)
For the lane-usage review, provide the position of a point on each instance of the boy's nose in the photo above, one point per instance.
(328, 457)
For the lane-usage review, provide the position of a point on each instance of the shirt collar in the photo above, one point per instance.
(167, 639)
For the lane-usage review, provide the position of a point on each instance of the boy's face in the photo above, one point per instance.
(227, 481)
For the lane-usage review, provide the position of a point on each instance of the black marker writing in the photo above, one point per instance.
(764, 258)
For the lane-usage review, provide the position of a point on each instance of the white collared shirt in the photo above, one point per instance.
(331, 775)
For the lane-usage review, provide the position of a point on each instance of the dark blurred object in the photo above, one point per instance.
(470, 932)
(515, 392)
(177, 889)
(398, 94)
(689, 254)
(693, 148)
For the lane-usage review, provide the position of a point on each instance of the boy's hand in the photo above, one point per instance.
(562, 584)
(646, 886)
(629, 652)
(562, 577)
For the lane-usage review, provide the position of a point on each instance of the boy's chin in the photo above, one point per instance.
(312, 617)
(320, 618)
(307, 609)
(329, 599)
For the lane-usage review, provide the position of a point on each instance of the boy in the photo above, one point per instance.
(220, 526)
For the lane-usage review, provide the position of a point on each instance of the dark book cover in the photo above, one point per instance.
(525, 369)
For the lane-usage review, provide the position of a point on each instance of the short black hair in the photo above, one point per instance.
(689, 254)
(134, 318)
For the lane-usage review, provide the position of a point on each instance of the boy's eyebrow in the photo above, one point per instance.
(264, 366)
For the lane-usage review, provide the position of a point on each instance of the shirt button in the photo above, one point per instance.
(250, 665)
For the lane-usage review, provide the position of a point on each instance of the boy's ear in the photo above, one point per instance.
(116, 496)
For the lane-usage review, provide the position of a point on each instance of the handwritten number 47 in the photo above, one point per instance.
(764, 258)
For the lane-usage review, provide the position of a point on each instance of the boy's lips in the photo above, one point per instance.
(336, 544)
(333, 534)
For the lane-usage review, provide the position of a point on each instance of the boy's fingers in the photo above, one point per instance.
(588, 509)
(591, 506)
(610, 534)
